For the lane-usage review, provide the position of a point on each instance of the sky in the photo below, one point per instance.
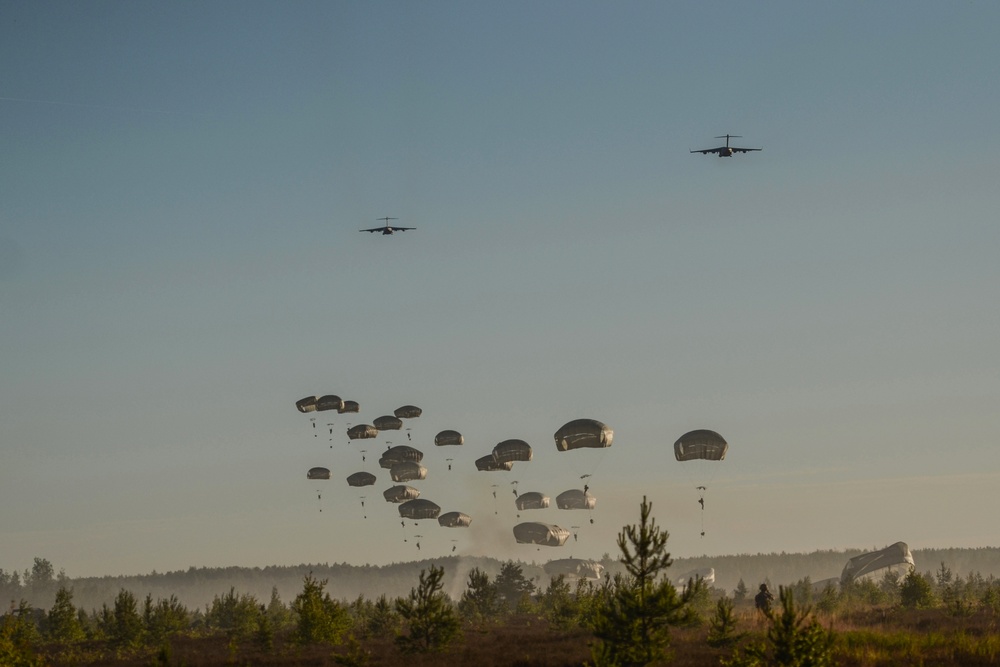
(182, 188)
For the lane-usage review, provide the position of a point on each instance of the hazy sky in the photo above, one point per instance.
(180, 192)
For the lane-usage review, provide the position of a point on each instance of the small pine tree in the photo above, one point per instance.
(512, 586)
(62, 620)
(633, 621)
(481, 600)
(384, 620)
(794, 639)
(741, 592)
(432, 623)
(722, 625)
(320, 619)
(558, 604)
(122, 624)
(916, 591)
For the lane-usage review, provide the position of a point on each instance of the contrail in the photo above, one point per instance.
(99, 106)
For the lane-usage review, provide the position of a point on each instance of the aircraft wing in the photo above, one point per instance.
(402, 229)
(709, 150)
(373, 229)
(746, 150)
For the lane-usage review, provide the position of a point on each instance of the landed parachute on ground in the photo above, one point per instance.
(408, 412)
(307, 404)
(361, 479)
(512, 450)
(318, 473)
(448, 437)
(388, 423)
(701, 444)
(859, 566)
(329, 402)
(454, 520)
(349, 406)
(407, 471)
(362, 432)
(532, 500)
(489, 464)
(581, 433)
(706, 574)
(574, 567)
(419, 509)
(575, 499)
(544, 534)
(400, 494)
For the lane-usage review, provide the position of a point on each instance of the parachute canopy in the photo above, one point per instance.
(706, 574)
(329, 402)
(894, 554)
(574, 567)
(489, 464)
(388, 423)
(544, 534)
(400, 494)
(307, 404)
(455, 520)
(349, 406)
(361, 479)
(407, 471)
(575, 499)
(583, 433)
(448, 437)
(532, 500)
(419, 509)
(399, 454)
(512, 450)
(318, 473)
(407, 412)
(362, 432)
(701, 444)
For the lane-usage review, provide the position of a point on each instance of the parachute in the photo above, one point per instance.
(448, 437)
(407, 471)
(512, 450)
(574, 567)
(318, 473)
(544, 534)
(894, 554)
(455, 520)
(388, 423)
(399, 454)
(329, 402)
(307, 404)
(361, 479)
(701, 444)
(489, 464)
(706, 574)
(362, 432)
(408, 412)
(400, 494)
(349, 406)
(532, 500)
(581, 433)
(575, 499)
(419, 509)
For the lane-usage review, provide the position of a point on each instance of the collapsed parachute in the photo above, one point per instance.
(583, 433)
(575, 499)
(448, 437)
(706, 574)
(408, 412)
(512, 450)
(318, 473)
(361, 479)
(400, 494)
(544, 534)
(701, 444)
(419, 509)
(894, 554)
(574, 567)
(454, 520)
(532, 500)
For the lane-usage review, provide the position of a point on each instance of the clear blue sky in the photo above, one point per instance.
(180, 193)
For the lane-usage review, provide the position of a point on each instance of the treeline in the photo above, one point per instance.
(197, 587)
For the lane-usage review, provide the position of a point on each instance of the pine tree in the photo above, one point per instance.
(633, 621)
(320, 619)
(481, 600)
(62, 620)
(432, 623)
